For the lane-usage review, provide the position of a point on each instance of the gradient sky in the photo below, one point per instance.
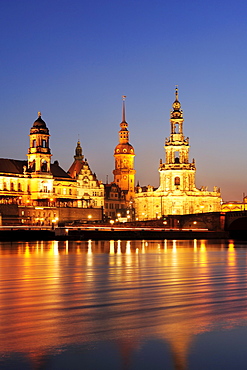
(74, 59)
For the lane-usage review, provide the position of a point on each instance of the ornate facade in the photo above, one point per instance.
(90, 191)
(41, 191)
(177, 193)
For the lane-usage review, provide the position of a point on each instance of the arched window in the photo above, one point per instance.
(177, 181)
(44, 166)
(176, 157)
(34, 143)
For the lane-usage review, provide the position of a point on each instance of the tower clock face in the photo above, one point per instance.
(125, 177)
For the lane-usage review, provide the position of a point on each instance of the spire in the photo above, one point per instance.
(123, 109)
(176, 92)
(123, 133)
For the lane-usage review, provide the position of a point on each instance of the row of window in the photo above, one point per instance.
(14, 187)
(44, 143)
(114, 205)
(18, 187)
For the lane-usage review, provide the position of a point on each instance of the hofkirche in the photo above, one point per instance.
(36, 191)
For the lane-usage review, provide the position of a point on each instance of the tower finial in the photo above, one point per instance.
(39, 114)
(176, 92)
(123, 111)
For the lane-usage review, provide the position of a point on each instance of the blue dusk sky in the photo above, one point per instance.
(74, 59)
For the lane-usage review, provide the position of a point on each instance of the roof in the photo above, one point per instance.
(75, 168)
(15, 167)
(57, 171)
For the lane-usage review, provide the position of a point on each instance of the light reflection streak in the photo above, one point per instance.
(89, 250)
(112, 249)
(231, 254)
(55, 247)
(128, 251)
(119, 247)
(195, 245)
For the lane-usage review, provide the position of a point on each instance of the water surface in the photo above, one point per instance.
(123, 305)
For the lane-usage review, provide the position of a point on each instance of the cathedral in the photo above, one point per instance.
(177, 193)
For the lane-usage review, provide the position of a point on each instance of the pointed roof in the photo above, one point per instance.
(124, 146)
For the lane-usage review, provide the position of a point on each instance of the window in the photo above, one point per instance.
(12, 186)
(177, 181)
(44, 166)
(176, 157)
(34, 143)
(43, 143)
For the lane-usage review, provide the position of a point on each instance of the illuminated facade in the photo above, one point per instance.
(41, 192)
(177, 193)
(90, 191)
(124, 172)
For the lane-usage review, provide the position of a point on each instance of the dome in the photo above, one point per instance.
(125, 148)
(39, 126)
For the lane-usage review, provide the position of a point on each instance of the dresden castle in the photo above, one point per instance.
(38, 192)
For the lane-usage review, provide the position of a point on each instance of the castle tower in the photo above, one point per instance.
(124, 173)
(39, 153)
(177, 173)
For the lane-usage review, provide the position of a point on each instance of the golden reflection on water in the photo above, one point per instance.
(61, 293)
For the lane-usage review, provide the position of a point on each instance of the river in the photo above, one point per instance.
(146, 305)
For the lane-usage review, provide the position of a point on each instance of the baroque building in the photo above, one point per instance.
(38, 192)
(177, 192)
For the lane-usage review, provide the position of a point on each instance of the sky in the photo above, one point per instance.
(74, 59)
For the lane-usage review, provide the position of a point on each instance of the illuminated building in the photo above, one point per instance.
(38, 192)
(177, 193)
(124, 173)
(115, 201)
(90, 191)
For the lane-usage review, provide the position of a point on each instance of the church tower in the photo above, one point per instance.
(177, 173)
(124, 173)
(39, 153)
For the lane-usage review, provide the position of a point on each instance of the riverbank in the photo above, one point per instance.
(27, 234)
